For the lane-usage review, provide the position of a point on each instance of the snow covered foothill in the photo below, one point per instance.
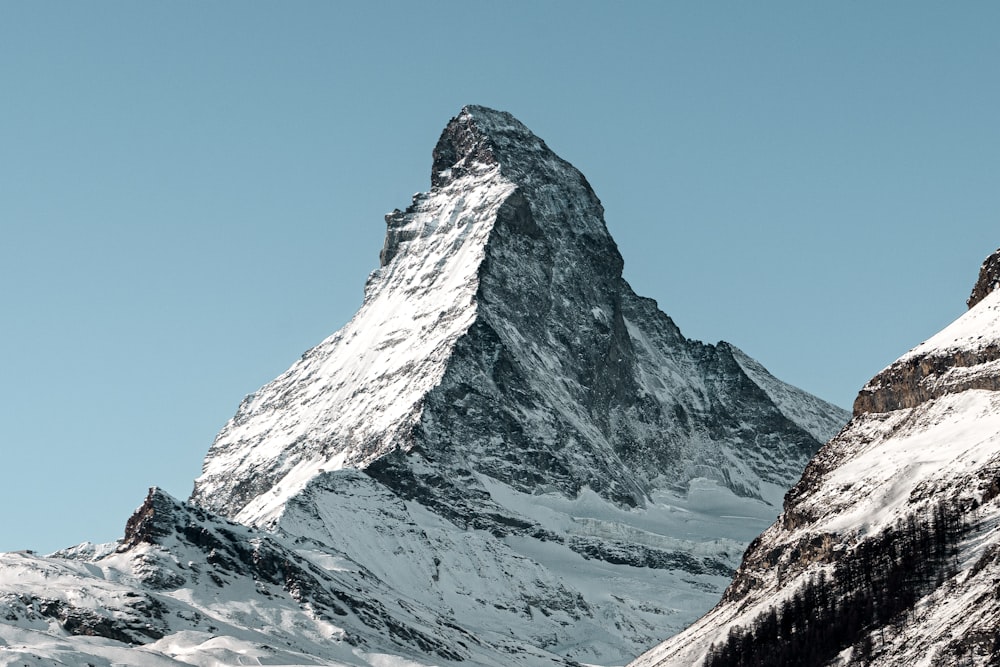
(922, 452)
(190, 588)
(536, 585)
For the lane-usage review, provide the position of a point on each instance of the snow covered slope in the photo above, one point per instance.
(185, 587)
(499, 337)
(499, 358)
(888, 549)
(505, 458)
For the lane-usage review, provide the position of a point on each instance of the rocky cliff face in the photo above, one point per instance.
(505, 458)
(885, 553)
(499, 338)
(989, 279)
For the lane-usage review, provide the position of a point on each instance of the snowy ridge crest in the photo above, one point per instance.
(356, 395)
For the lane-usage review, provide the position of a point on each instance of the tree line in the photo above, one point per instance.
(875, 584)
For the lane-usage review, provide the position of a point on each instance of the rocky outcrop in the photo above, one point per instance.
(943, 365)
(989, 279)
(916, 380)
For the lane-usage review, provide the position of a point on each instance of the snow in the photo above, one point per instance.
(953, 436)
(206, 650)
(696, 521)
(327, 565)
(537, 591)
(882, 468)
(977, 328)
(365, 382)
(386, 660)
(489, 585)
(21, 647)
(819, 418)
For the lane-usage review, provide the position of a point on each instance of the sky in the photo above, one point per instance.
(192, 194)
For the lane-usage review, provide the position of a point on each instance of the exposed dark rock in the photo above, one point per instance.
(989, 279)
(151, 522)
(916, 380)
(638, 555)
(140, 622)
(461, 145)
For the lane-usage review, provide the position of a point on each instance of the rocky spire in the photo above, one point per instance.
(463, 144)
(481, 137)
(989, 279)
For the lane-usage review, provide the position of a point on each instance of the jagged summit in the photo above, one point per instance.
(498, 337)
(479, 137)
(468, 141)
(989, 279)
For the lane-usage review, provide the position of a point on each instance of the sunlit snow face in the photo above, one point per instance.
(349, 399)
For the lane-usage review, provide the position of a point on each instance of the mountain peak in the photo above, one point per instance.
(989, 279)
(499, 319)
(502, 431)
(482, 137)
(462, 144)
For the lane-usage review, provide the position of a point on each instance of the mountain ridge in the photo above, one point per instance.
(505, 458)
(524, 230)
(914, 472)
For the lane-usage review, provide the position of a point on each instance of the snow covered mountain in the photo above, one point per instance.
(505, 458)
(888, 549)
(498, 337)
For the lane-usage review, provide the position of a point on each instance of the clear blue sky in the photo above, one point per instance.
(191, 194)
